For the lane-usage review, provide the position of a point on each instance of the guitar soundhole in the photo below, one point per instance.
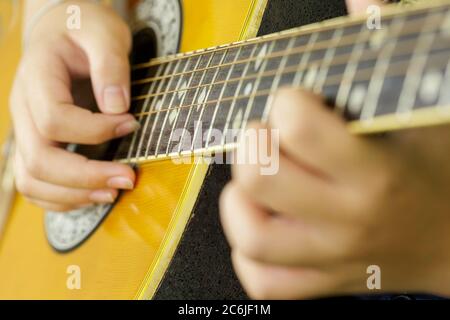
(144, 46)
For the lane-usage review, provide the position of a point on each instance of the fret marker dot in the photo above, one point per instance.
(431, 84)
(182, 91)
(311, 76)
(173, 115)
(260, 57)
(248, 88)
(158, 105)
(238, 120)
(202, 97)
(356, 99)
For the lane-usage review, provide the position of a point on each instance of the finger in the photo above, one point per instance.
(263, 281)
(56, 166)
(53, 207)
(42, 191)
(268, 238)
(291, 190)
(312, 134)
(356, 6)
(54, 115)
(108, 61)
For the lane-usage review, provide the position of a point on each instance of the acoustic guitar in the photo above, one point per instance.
(163, 240)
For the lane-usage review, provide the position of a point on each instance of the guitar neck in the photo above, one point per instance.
(379, 77)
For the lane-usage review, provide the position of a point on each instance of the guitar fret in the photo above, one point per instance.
(190, 109)
(327, 60)
(184, 95)
(151, 108)
(227, 123)
(444, 97)
(304, 60)
(376, 81)
(200, 101)
(206, 99)
(258, 80)
(298, 74)
(145, 108)
(358, 70)
(169, 108)
(230, 71)
(412, 81)
(350, 71)
(158, 105)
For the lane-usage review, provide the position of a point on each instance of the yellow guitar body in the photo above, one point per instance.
(129, 253)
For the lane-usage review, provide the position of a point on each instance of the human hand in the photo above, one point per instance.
(339, 204)
(45, 117)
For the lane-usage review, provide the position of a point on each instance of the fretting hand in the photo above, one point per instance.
(338, 205)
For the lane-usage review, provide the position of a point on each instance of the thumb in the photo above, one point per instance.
(110, 76)
(107, 49)
(357, 6)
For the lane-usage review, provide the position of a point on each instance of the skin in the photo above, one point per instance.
(45, 117)
(339, 204)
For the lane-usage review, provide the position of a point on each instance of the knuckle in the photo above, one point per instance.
(47, 126)
(259, 287)
(296, 131)
(33, 163)
(22, 183)
(366, 202)
(254, 245)
(292, 116)
(248, 176)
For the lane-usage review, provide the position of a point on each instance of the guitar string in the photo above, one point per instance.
(392, 73)
(403, 49)
(291, 33)
(364, 76)
(321, 45)
(298, 50)
(270, 56)
(295, 69)
(398, 68)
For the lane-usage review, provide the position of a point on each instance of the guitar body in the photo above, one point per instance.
(128, 254)
(163, 240)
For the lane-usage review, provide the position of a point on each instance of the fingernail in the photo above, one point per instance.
(102, 197)
(120, 183)
(114, 99)
(127, 128)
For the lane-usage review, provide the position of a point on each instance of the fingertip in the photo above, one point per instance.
(127, 127)
(298, 96)
(120, 182)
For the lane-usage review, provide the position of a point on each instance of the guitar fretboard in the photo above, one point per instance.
(378, 79)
